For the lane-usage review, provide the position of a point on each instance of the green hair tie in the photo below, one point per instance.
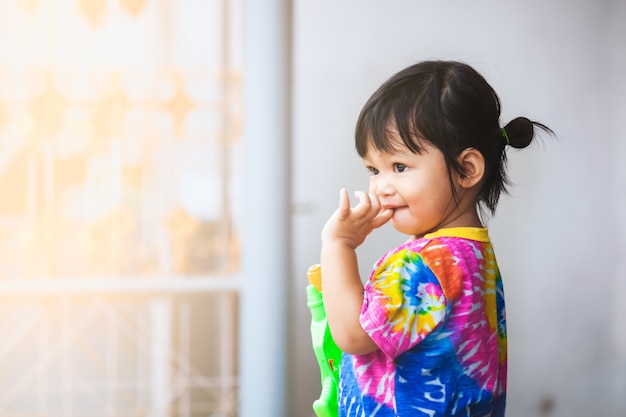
(506, 136)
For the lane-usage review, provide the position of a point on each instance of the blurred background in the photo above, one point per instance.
(166, 168)
(119, 124)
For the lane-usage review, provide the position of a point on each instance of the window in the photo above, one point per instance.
(120, 125)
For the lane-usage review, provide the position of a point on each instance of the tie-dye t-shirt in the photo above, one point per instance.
(435, 308)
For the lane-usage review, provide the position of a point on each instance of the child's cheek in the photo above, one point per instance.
(372, 189)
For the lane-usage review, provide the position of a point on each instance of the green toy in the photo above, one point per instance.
(327, 353)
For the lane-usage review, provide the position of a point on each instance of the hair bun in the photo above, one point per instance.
(521, 131)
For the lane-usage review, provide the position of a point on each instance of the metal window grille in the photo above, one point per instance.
(119, 153)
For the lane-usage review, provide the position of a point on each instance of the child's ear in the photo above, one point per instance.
(473, 165)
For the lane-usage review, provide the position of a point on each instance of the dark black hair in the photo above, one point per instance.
(450, 105)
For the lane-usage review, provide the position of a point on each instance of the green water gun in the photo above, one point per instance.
(327, 353)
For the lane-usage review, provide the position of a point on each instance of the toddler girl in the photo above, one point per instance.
(426, 335)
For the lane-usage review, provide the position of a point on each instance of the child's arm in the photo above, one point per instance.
(343, 289)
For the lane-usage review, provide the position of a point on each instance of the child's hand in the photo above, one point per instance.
(351, 226)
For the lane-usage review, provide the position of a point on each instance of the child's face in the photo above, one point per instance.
(415, 186)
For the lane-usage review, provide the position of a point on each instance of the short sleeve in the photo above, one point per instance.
(403, 303)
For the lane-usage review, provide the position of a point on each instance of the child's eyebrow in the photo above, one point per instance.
(397, 154)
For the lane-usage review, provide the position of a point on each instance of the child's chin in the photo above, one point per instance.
(403, 228)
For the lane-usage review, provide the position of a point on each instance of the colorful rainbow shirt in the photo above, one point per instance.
(435, 308)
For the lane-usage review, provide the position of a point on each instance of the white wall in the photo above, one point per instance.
(560, 238)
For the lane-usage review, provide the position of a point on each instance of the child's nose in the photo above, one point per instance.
(382, 187)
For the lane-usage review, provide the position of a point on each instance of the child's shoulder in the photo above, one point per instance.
(451, 255)
(444, 245)
(457, 239)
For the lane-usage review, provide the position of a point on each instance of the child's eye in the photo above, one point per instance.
(399, 167)
(372, 170)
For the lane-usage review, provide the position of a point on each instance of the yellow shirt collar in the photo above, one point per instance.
(479, 234)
